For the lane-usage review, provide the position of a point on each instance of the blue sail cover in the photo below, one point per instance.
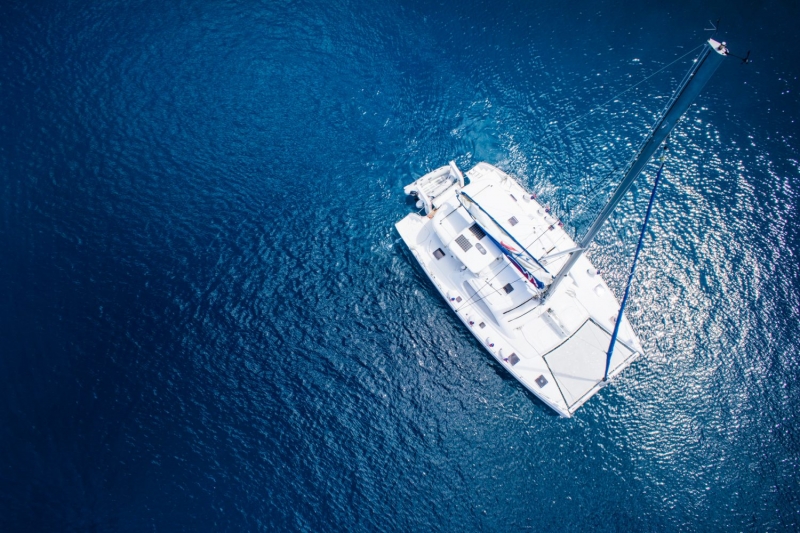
(522, 259)
(530, 277)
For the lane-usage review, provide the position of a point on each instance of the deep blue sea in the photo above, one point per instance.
(209, 323)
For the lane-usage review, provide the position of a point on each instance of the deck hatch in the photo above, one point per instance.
(477, 231)
(513, 221)
(463, 242)
(438, 253)
(508, 288)
(541, 381)
(512, 359)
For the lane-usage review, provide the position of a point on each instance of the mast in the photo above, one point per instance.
(710, 58)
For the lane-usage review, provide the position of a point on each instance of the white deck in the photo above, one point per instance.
(556, 349)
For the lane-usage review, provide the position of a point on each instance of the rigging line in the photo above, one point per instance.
(532, 233)
(632, 87)
(488, 281)
(545, 233)
(478, 293)
(471, 301)
(531, 310)
(677, 93)
(495, 290)
(590, 198)
(596, 191)
(555, 243)
(534, 241)
(564, 235)
(592, 194)
(621, 312)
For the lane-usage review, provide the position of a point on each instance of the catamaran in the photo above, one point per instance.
(519, 282)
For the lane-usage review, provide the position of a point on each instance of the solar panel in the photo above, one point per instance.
(477, 231)
(463, 243)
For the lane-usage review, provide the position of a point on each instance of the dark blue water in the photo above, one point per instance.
(208, 322)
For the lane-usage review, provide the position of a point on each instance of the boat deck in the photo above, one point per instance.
(556, 348)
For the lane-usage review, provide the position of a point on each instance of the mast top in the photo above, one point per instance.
(718, 47)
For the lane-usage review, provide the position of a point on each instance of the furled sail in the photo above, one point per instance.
(517, 254)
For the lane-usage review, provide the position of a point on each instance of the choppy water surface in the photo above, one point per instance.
(209, 323)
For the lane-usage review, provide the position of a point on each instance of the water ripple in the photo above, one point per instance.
(210, 322)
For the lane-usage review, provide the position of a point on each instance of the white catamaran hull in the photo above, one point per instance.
(518, 281)
(556, 348)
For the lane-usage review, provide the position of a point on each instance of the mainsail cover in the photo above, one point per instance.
(517, 254)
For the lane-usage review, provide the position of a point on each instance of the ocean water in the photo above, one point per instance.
(209, 323)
